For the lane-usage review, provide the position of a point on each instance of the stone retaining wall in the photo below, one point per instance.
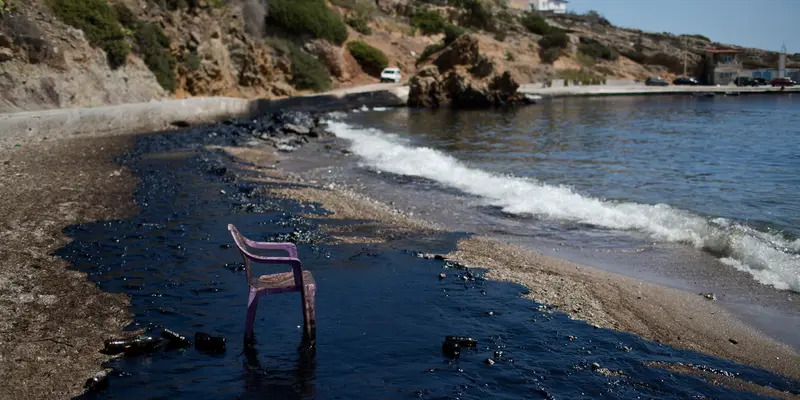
(159, 115)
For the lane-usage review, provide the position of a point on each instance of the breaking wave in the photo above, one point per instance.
(768, 257)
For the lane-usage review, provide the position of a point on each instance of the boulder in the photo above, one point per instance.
(460, 76)
(395, 7)
(298, 129)
(426, 89)
(5, 41)
(6, 54)
(463, 51)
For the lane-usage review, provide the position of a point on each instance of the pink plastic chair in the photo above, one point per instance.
(296, 280)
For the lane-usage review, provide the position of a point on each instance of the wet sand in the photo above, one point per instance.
(54, 320)
(658, 313)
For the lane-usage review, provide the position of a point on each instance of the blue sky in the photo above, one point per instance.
(763, 24)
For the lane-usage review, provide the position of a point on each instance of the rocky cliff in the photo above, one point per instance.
(461, 76)
(44, 63)
(182, 48)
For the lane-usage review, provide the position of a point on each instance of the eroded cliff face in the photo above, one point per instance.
(47, 64)
(218, 49)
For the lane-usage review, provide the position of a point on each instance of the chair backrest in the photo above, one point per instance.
(239, 239)
(243, 243)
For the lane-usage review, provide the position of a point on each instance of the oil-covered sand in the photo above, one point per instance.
(383, 310)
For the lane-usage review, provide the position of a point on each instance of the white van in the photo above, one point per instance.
(391, 75)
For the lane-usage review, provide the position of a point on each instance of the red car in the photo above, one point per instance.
(782, 82)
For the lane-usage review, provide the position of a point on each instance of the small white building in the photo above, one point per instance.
(555, 6)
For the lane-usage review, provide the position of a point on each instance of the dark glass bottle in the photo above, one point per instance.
(175, 339)
(451, 349)
(206, 342)
(98, 382)
(143, 345)
(116, 346)
(463, 341)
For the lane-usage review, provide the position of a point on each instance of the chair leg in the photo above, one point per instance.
(309, 314)
(252, 305)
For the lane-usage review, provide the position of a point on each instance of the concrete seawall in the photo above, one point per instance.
(159, 115)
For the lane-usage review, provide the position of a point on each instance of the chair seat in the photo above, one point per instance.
(283, 282)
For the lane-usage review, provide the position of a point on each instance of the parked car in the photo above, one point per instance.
(655, 81)
(685, 80)
(785, 81)
(391, 75)
(745, 81)
(760, 81)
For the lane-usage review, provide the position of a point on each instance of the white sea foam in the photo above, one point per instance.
(769, 258)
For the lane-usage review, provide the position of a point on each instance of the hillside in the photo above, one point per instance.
(69, 53)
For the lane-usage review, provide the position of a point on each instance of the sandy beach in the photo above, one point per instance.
(57, 319)
(54, 319)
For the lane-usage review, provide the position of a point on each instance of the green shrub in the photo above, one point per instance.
(698, 36)
(585, 60)
(635, 56)
(172, 5)
(99, 23)
(125, 16)
(509, 56)
(282, 46)
(372, 60)
(362, 7)
(360, 23)
(192, 62)
(429, 22)
(153, 45)
(451, 33)
(597, 50)
(308, 72)
(505, 17)
(581, 76)
(535, 24)
(307, 17)
(550, 55)
(500, 35)
(552, 44)
(555, 39)
(477, 13)
(116, 52)
(429, 50)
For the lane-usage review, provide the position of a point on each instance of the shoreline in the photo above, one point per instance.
(642, 90)
(604, 299)
(104, 191)
(153, 116)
